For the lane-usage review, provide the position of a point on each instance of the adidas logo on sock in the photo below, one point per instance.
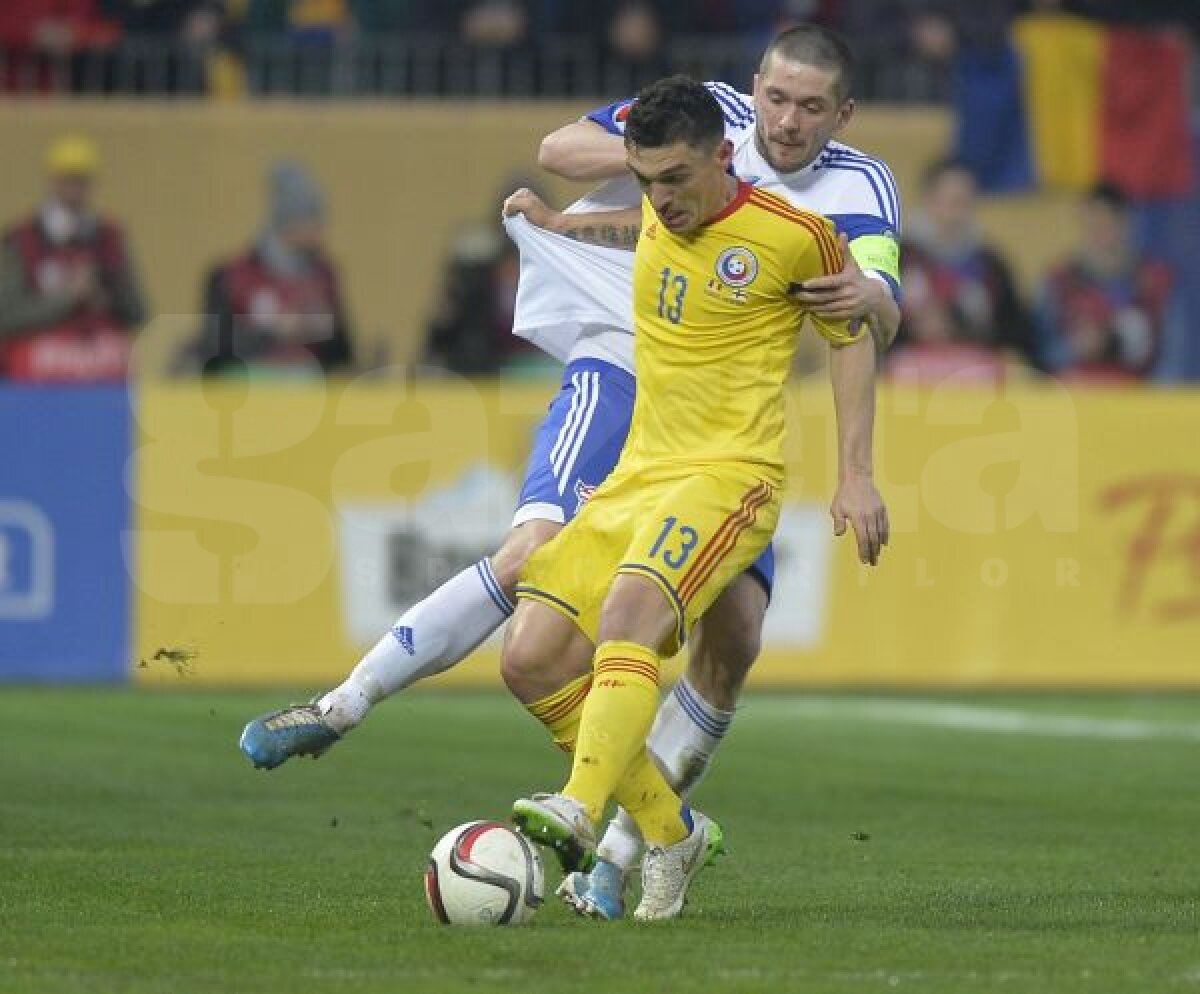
(404, 635)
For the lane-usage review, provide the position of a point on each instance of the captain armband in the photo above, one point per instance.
(878, 252)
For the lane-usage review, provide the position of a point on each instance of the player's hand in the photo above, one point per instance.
(525, 201)
(858, 502)
(843, 296)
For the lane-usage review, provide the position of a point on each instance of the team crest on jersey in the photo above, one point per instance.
(737, 267)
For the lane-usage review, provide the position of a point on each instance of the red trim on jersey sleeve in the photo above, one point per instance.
(831, 253)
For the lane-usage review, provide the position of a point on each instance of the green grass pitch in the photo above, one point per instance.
(1018, 844)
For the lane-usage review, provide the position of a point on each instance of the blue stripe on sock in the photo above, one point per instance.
(484, 569)
(694, 709)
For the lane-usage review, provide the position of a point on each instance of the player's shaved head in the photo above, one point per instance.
(811, 45)
(672, 110)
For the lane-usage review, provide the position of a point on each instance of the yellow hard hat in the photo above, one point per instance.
(73, 155)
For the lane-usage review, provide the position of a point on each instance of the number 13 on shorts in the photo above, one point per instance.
(675, 543)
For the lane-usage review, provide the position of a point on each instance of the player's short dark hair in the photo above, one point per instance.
(813, 45)
(675, 109)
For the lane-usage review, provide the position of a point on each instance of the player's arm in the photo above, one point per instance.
(852, 375)
(612, 229)
(860, 291)
(583, 150)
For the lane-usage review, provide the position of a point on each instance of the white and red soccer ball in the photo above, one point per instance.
(484, 873)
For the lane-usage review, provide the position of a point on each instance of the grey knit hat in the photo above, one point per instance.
(294, 195)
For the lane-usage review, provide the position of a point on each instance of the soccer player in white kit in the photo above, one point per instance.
(574, 301)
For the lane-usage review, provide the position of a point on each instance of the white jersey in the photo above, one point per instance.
(574, 300)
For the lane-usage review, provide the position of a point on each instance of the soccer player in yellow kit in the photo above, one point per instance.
(695, 496)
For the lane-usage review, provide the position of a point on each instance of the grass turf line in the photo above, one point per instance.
(140, 853)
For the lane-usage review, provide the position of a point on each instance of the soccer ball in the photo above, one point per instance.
(483, 873)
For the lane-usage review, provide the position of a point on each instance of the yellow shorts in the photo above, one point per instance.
(689, 530)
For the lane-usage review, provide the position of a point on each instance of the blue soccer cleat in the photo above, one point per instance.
(273, 739)
(599, 894)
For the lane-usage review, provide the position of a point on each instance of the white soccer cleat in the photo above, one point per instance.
(667, 872)
(559, 823)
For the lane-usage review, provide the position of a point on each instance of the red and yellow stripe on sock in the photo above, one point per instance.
(561, 711)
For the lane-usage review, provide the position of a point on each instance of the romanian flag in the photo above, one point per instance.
(1069, 102)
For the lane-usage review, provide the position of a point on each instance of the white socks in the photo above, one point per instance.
(685, 735)
(431, 636)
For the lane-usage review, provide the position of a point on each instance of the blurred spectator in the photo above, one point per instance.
(494, 24)
(277, 308)
(42, 41)
(759, 20)
(392, 17)
(315, 22)
(69, 298)
(1103, 312)
(961, 310)
(471, 329)
(634, 51)
(196, 21)
(168, 45)
(290, 43)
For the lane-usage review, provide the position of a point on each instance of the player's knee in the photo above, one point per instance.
(531, 658)
(720, 662)
(729, 640)
(740, 647)
(521, 665)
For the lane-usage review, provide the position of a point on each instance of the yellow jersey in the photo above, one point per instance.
(716, 331)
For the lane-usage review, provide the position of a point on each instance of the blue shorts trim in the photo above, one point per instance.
(763, 569)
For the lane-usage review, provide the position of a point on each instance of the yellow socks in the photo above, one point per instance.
(607, 729)
(652, 803)
(561, 711)
(616, 718)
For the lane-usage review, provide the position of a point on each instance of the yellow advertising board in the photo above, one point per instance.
(1040, 537)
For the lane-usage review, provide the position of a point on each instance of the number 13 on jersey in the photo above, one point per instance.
(670, 295)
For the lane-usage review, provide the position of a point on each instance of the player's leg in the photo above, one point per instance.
(543, 639)
(693, 536)
(713, 575)
(611, 756)
(431, 636)
(547, 664)
(695, 716)
(613, 719)
(686, 731)
(575, 446)
(439, 631)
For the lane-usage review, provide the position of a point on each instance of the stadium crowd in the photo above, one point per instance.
(1112, 311)
(906, 49)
